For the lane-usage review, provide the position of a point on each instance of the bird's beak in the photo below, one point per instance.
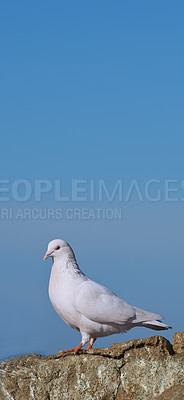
(47, 255)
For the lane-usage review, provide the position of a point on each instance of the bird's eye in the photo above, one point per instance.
(57, 248)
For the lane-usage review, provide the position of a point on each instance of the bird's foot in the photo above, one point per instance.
(78, 348)
(92, 341)
(89, 345)
(75, 350)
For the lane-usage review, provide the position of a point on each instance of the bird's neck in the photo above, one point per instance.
(67, 264)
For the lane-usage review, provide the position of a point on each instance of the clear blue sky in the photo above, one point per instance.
(91, 91)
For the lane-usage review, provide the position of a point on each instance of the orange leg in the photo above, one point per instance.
(90, 344)
(76, 349)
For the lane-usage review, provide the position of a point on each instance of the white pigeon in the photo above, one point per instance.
(86, 306)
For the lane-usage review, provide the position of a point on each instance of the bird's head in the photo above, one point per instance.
(58, 248)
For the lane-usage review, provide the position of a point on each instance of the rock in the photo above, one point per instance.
(141, 369)
(176, 392)
(178, 342)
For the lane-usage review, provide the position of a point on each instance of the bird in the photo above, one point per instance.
(88, 307)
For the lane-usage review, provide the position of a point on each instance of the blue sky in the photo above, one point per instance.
(91, 91)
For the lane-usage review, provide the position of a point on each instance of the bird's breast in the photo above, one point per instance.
(62, 297)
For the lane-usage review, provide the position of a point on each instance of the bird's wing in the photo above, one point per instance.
(99, 304)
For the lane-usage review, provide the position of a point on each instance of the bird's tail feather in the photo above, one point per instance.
(149, 320)
(145, 316)
(156, 325)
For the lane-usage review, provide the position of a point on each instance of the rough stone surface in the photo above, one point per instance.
(141, 369)
(178, 342)
(174, 393)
